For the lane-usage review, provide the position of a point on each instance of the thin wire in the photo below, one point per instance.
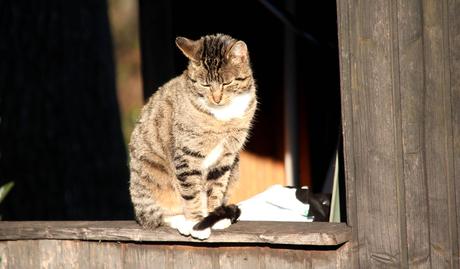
(286, 18)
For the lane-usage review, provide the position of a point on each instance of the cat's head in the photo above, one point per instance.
(219, 67)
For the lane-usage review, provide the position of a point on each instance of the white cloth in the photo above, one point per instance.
(277, 203)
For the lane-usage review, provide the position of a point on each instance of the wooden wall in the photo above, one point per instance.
(124, 244)
(112, 255)
(400, 75)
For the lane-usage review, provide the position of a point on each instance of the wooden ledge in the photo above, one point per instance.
(290, 233)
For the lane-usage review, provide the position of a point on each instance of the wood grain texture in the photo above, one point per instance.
(63, 254)
(454, 58)
(90, 254)
(106, 255)
(242, 232)
(3, 254)
(411, 76)
(438, 136)
(144, 256)
(193, 258)
(438, 206)
(238, 258)
(369, 131)
(346, 256)
(400, 66)
(257, 173)
(23, 254)
(286, 259)
(345, 25)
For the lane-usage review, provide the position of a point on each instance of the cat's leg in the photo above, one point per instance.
(220, 181)
(233, 179)
(147, 212)
(190, 186)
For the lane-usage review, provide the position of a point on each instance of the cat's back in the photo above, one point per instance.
(152, 133)
(163, 99)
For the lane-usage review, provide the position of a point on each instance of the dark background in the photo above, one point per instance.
(60, 134)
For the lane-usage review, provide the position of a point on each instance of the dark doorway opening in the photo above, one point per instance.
(316, 65)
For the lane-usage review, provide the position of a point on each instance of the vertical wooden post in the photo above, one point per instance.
(400, 75)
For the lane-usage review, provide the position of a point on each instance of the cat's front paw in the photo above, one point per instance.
(222, 224)
(185, 227)
(201, 234)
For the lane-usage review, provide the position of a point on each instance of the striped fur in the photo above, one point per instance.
(184, 154)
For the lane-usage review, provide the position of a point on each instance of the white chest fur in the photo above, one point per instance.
(235, 109)
(213, 156)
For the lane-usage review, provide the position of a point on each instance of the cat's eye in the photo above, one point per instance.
(241, 78)
(227, 83)
(205, 85)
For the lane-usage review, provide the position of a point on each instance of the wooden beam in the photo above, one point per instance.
(267, 233)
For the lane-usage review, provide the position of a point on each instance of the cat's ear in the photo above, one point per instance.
(190, 48)
(238, 53)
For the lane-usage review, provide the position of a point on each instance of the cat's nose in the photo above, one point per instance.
(217, 97)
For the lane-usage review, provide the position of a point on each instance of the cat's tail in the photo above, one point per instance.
(231, 212)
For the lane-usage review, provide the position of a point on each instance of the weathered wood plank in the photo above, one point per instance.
(324, 259)
(90, 254)
(241, 232)
(51, 256)
(451, 42)
(63, 254)
(23, 254)
(144, 256)
(106, 255)
(3, 254)
(438, 137)
(186, 257)
(374, 137)
(346, 256)
(239, 258)
(411, 76)
(281, 258)
(454, 34)
(400, 62)
(344, 26)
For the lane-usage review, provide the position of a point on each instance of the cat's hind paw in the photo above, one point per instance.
(222, 224)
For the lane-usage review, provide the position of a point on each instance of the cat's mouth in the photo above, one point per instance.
(216, 105)
(212, 103)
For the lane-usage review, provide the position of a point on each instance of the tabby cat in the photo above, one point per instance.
(185, 147)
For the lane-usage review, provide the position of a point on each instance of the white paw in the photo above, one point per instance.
(174, 221)
(186, 227)
(203, 234)
(222, 224)
(181, 224)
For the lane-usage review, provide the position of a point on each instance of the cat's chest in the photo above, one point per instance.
(236, 108)
(212, 157)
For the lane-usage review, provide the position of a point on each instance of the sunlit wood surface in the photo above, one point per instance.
(256, 174)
